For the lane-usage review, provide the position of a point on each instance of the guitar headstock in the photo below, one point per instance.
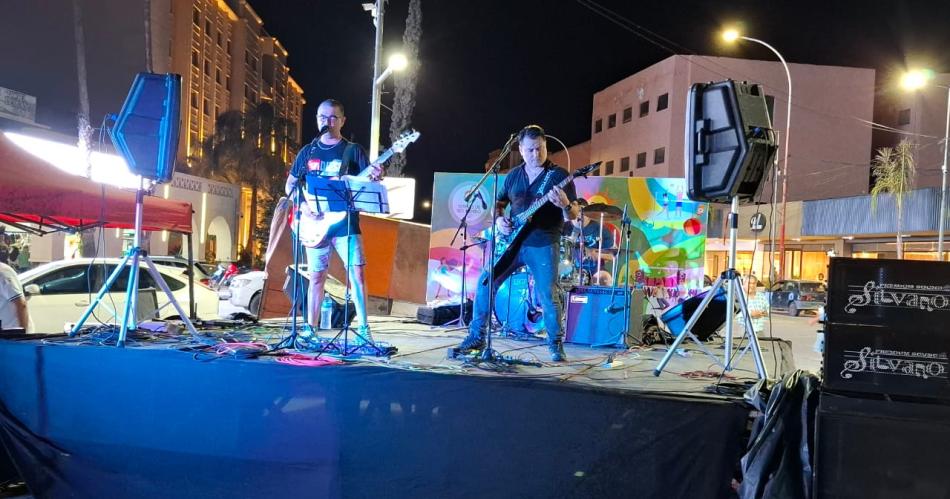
(585, 170)
(407, 137)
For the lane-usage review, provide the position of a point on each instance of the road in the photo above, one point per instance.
(801, 334)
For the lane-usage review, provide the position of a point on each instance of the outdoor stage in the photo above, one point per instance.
(167, 416)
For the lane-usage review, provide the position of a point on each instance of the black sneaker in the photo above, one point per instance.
(474, 341)
(557, 351)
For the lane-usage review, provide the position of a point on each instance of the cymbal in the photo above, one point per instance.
(476, 241)
(609, 211)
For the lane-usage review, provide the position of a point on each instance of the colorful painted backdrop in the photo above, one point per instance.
(667, 239)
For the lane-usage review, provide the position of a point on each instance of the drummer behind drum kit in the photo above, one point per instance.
(583, 261)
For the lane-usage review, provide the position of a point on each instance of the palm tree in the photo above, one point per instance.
(894, 170)
(245, 149)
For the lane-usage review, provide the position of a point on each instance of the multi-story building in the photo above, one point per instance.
(226, 58)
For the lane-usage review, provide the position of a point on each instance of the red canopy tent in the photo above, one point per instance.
(35, 192)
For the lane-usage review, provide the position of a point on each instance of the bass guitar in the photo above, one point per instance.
(509, 244)
(315, 224)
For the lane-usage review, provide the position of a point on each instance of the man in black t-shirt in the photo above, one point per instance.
(331, 156)
(531, 180)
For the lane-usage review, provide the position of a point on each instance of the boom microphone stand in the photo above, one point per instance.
(731, 279)
(463, 230)
(488, 353)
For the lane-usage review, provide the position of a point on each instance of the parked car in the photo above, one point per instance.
(59, 292)
(796, 295)
(202, 270)
(246, 290)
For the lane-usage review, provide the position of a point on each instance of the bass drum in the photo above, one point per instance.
(516, 307)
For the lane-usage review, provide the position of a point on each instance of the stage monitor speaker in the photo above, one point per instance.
(443, 314)
(676, 317)
(146, 129)
(595, 317)
(729, 141)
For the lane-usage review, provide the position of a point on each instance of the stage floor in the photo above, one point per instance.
(222, 415)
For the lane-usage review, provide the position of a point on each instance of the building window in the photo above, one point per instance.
(227, 82)
(612, 121)
(903, 117)
(195, 58)
(217, 111)
(624, 163)
(207, 107)
(662, 102)
(659, 155)
(627, 114)
(194, 100)
(609, 168)
(208, 27)
(599, 126)
(229, 45)
(220, 39)
(207, 67)
(196, 16)
(641, 160)
(644, 108)
(217, 75)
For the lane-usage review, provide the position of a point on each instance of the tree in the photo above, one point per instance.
(247, 148)
(405, 94)
(894, 170)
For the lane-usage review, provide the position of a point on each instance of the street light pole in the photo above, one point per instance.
(788, 125)
(377, 73)
(943, 183)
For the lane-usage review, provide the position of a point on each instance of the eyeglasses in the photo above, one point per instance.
(332, 117)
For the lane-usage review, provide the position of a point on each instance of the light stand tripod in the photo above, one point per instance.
(731, 279)
(132, 258)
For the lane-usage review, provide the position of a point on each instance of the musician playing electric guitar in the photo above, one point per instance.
(535, 178)
(330, 155)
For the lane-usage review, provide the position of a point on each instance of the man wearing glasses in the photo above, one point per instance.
(330, 155)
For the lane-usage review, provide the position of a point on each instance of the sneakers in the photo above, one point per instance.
(363, 335)
(557, 351)
(474, 341)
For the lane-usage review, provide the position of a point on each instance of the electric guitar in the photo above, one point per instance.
(509, 244)
(314, 224)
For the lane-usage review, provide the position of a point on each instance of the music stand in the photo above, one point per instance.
(348, 194)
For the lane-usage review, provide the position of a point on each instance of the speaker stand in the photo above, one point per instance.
(734, 292)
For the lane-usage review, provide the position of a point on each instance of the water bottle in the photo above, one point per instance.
(326, 312)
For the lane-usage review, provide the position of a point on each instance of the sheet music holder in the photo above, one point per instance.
(347, 195)
(328, 195)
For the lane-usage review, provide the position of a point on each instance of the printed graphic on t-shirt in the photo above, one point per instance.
(325, 168)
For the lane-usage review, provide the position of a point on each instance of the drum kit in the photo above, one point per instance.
(582, 260)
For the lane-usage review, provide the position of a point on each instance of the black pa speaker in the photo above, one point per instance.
(729, 141)
(714, 316)
(146, 129)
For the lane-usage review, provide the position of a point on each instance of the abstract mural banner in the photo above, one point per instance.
(667, 236)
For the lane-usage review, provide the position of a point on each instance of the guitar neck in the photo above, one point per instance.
(522, 218)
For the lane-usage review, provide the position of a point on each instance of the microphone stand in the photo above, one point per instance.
(291, 341)
(489, 354)
(463, 230)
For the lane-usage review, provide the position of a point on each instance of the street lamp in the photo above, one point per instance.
(397, 62)
(731, 35)
(915, 80)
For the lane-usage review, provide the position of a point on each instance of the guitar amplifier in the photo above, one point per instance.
(595, 317)
(907, 295)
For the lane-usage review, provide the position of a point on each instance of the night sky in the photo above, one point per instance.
(489, 67)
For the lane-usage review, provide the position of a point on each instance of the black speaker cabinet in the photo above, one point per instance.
(443, 314)
(881, 449)
(887, 361)
(676, 317)
(903, 295)
(595, 316)
(729, 141)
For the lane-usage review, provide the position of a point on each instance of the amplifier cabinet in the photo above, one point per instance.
(908, 295)
(881, 449)
(595, 317)
(883, 360)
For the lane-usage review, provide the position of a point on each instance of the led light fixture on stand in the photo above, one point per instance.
(146, 135)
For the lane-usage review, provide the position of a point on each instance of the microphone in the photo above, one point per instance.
(324, 129)
(613, 309)
(478, 194)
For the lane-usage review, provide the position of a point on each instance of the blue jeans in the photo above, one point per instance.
(542, 263)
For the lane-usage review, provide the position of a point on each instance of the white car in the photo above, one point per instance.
(59, 292)
(245, 291)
